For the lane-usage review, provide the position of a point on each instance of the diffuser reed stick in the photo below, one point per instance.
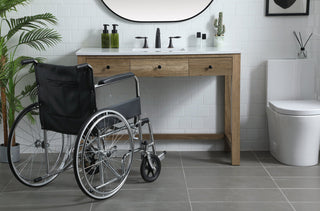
(302, 53)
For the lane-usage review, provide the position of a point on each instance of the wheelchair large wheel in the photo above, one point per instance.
(43, 154)
(103, 154)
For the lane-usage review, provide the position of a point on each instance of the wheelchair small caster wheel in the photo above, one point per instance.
(147, 173)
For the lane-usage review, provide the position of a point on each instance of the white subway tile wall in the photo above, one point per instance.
(192, 105)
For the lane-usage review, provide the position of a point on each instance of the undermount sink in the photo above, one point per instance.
(164, 50)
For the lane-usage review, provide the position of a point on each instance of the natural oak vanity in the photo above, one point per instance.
(190, 62)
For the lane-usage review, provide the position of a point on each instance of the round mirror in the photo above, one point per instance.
(157, 10)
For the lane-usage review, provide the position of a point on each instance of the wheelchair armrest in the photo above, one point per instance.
(29, 61)
(79, 66)
(115, 78)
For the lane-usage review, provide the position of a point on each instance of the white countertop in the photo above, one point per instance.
(163, 51)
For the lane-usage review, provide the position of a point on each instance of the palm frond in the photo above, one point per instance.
(31, 91)
(39, 39)
(28, 23)
(11, 68)
(11, 5)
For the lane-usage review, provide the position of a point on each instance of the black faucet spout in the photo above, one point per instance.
(158, 39)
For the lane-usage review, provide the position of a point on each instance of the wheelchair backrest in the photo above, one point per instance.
(66, 96)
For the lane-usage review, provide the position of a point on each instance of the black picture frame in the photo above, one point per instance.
(303, 12)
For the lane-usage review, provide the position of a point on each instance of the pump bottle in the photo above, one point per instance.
(114, 37)
(105, 37)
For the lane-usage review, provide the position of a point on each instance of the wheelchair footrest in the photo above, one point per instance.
(162, 155)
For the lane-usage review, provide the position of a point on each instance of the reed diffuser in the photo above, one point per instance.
(302, 54)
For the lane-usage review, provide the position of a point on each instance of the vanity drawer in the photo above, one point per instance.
(159, 67)
(210, 66)
(108, 67)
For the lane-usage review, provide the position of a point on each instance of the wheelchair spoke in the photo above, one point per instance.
(101, 172)
(93, 165)
(112, 169)
(107, 183)
(42, 156)
(102, 158)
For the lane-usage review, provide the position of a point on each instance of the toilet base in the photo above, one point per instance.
(294, 140)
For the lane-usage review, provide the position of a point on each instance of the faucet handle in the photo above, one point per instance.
(170, 41)
(145, 45)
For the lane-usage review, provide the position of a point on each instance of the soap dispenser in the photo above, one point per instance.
(114, 37)
(105, 37)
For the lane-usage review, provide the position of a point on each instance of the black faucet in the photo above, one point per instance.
(170, 41)
(145, 44)
(158, 39)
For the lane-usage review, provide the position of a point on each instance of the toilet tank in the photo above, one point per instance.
(290, 79)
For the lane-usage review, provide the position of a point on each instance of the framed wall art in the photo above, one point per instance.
(287, 7)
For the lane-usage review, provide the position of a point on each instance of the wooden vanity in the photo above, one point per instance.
(192, 62)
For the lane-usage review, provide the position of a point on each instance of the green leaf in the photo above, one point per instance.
(39, 39)
(11, 5)
(28, 23)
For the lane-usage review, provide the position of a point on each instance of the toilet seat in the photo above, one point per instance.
(296, 107)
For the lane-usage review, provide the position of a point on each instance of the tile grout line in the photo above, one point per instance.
(6, 186)
(274, 181)
(91, 205)
(185, 180)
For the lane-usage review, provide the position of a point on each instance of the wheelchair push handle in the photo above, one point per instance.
(29, 61)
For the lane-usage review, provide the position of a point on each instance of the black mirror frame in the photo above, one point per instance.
(136, 21)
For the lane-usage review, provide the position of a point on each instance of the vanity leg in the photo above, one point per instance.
(235, 115)
(227, 113)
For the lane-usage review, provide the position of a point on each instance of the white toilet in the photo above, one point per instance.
(293, 114)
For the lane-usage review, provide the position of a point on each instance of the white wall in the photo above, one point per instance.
(191, 105)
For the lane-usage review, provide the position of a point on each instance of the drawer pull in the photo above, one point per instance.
(210, 67)
(108, 67)
(159, 67)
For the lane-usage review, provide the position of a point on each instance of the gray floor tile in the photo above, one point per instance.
(307, 206)
(5, 175)
(213, 185)
(191, 159)
(45, 198)
(268, 160)
(299, 195)
(242, 206)
(156, 195)
(35, 207)
(64, 181)
(229, 182)
(293, 171)
(171, 160)
(298, 182)
(271, 161)
(142, 206)
(236, 195)
(225, 171)
(262, 154)
(168, 178)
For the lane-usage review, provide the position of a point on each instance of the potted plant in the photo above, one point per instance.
(220, 30)
(32, 31)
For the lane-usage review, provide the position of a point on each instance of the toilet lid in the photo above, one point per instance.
(296, 107)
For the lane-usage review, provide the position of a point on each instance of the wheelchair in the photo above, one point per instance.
(64, 129)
